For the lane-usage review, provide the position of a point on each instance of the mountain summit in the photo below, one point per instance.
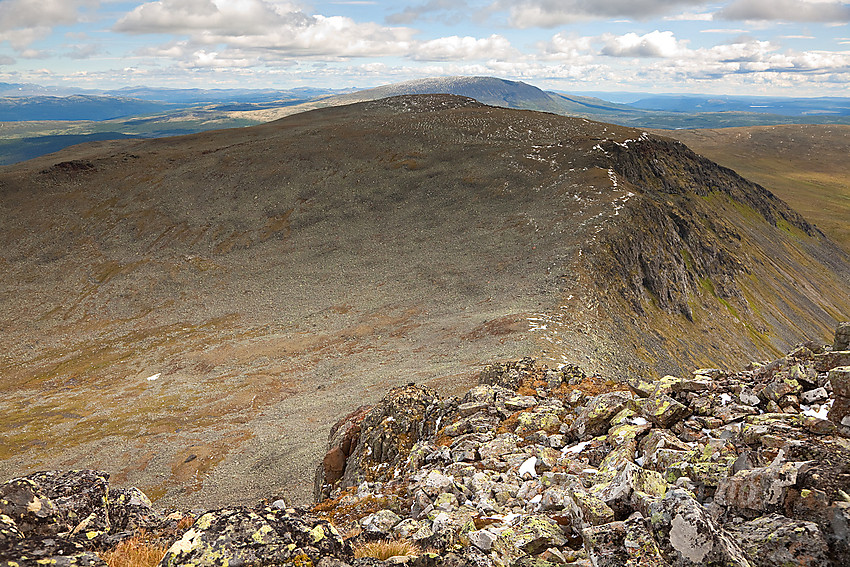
(487, 90)
(192, 314)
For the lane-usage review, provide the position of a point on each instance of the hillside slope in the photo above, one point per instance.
(805, 165)
(192, 314)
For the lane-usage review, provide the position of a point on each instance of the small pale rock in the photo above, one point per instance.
(482, 539)
(814, 396)
(381, 522)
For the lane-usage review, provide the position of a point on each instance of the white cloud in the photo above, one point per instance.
(23, 22)
(568, 47)
(786, 10)
(83, 51)
(225, 17)
(456, 48)
(551, 13)
(724, 30)
(690, 17)
(266, 26)
(447, 10)
(33, 54)
(654, 44)
(760, 60)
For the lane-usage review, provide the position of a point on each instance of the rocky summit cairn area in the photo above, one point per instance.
(532, 467)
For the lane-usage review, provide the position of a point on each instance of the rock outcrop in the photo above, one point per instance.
(64, 518)
(533, 467)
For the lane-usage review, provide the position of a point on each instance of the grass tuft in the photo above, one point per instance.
(135, 552)
(384, 549)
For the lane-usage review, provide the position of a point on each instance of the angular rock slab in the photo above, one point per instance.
(595, 417)
(48, 552)
(662, 410)
(842, 337)
(81, 497)
(623, 544)
(258, 538)
(839, 377)
(536, 533)
(753, 492)
(29, 510)
(387, 434)
(776, 540)
(688, 536)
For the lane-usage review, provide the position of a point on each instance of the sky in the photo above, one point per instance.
(759, 47)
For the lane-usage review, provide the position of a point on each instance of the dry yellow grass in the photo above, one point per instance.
(135, 552)
(384, 549)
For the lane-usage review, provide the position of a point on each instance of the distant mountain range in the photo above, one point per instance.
(156, 112)
(76, 107)
(781, 106)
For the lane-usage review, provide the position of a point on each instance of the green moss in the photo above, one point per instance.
(688, 259)
(791, 229)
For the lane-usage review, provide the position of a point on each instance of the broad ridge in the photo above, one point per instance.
(445, 234)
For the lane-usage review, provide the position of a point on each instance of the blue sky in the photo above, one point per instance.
(782, 47)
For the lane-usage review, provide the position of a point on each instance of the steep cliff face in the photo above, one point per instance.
(166, 304)
(702, 251)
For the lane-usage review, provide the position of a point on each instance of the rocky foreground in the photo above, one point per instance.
(533, 467)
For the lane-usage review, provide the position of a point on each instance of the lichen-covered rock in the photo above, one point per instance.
(662, 410)
(595, 418)
(688, 536)
(839, 377)
(623, 544)
(387, 433)
(752, 493)
(842, 337)
(549, 422)
(508, 375)
(48, 551)
(588, 510)
(72, 503)
(776, 540)
(380, 523)
(29, 510)
(130, 509)
(621, 494)
(829, 360)
(535, 533)
(9, 532)
(81, 499)
(261, 537)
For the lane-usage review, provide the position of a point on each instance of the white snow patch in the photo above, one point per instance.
(528, 467)
(154, 377)
(576, 449)
(820, 413)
